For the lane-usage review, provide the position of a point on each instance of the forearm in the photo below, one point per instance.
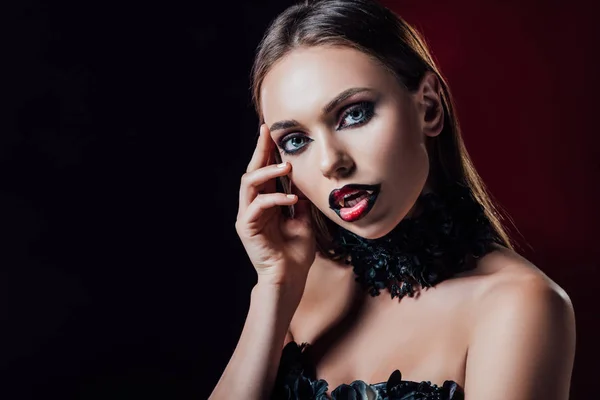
(252, 369)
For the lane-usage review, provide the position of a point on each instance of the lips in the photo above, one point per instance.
(353, 201)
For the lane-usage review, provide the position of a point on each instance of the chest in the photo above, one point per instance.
(355, 336)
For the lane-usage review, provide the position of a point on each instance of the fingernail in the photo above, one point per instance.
(290, 196)
(282, 165)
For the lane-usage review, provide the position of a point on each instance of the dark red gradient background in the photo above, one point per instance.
(130, 124)
(524, 78)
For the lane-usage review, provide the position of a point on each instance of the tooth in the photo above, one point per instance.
(370, 191)
(341, 203)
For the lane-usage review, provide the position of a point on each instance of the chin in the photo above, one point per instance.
(377, 226)
(372, 230)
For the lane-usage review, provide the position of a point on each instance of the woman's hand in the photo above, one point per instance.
(281, 249)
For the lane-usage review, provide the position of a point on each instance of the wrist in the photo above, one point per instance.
(285, 295)
(283, 286)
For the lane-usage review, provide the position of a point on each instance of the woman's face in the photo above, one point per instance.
(372, 140)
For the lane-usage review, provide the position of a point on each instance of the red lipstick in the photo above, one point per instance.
(353, 202)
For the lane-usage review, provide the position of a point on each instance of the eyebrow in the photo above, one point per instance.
(291, 123)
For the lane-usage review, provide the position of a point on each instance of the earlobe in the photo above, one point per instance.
(433, 111)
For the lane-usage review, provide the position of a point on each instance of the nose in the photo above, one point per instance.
(335, 161)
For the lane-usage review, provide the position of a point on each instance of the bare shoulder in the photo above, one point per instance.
(508, 276)
(523, 331)
(505, 282)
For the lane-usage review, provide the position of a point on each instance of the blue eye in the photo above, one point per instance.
(359, 113)
(292, 144)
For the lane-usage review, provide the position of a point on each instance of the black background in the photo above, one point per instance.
(130, 125)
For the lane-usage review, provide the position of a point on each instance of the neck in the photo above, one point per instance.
(445, 231)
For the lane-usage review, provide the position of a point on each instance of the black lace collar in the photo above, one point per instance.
(450, 229)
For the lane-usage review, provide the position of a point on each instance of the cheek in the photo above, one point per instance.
(308, 182)
(402, 151)
(394, 141)
(301, 176)
(398, 151)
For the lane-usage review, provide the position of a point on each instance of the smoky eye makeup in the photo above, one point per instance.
(293, 143)
(355, 114)
(360, 113)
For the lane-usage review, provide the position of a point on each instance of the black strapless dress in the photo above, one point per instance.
(296, 381)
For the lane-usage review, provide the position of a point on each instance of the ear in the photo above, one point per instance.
(431, 111)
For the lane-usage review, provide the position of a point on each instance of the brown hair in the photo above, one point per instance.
(371, 28)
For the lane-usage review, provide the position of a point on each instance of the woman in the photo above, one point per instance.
(357, 125)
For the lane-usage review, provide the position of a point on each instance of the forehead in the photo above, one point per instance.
(304, 80)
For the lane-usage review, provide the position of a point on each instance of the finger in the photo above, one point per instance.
(264, 202)
(256, 181)
(260, 157)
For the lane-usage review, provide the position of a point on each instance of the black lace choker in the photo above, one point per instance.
(450, 229)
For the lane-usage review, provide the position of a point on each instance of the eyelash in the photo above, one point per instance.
(366, 106)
